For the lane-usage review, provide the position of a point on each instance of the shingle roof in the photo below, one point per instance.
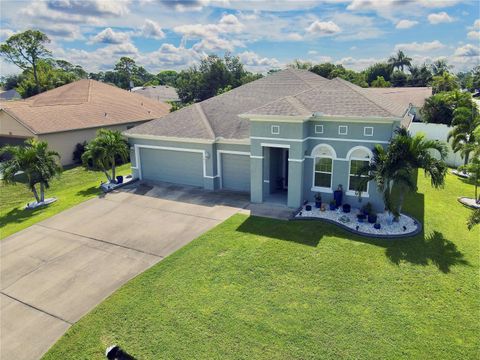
(288, 92)
(161, 93)
(337, 97)
(404, 95)
(222, 111)
(83, 104)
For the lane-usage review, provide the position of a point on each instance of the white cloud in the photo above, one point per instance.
(168, 56)
(356, 64)
(230, 24)
(466, 57)
(476, 24)
(438, 18)
(322, 28)
(406, 24)
(64, 32)
(467, 50)
(5, 34)
(90, 7)
(108, 36)
(420, 47)
(474, 35)
(151, 29)
(293, 37)
(357, 27)
(254, 62)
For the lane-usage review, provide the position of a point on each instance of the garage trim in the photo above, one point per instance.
(219, 161)
(137, 148)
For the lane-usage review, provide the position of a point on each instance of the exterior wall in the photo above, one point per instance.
(438, 132)
(65, 142)
(12, 128)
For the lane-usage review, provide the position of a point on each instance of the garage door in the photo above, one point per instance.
(235, 172)
(176, 167)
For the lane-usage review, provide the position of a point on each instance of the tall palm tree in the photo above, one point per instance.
(400, 60)
(465, 122)
(38, 163)
(103, 151)
(397, 165)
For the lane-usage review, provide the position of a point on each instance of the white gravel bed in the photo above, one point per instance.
(404, 226)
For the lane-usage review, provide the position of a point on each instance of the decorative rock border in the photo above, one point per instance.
(35, 205)
(107, 187)
(468, 202)
(414, 227)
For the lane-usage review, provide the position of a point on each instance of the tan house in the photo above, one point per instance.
(72, 114)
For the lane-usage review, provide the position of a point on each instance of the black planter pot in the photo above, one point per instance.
(338, 196)
(372, 218)
(308, 207)
(332, 207)
(318, 204)
(346, 208)
(377, 226)
(119, 179)
(361, 217)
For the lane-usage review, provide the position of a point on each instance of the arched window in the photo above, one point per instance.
(323, 156)
(358, 157)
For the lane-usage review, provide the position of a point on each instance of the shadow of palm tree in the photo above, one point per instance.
(94, 190)
(18, 215)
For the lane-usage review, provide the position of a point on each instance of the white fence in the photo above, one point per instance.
(437, 132)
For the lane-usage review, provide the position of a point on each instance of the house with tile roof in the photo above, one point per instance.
(282, 138)
(73, 113)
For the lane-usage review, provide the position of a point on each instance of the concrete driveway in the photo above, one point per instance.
(54, 272)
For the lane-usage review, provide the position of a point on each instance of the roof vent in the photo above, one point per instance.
(105, 114)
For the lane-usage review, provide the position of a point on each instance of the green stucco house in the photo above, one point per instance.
(282, 138)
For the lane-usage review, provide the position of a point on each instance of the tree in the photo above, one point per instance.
(325, 70)
(444, 82)
(474, 219)
(399, 78)
(38, 163)
(476, 77)
(299, 64)
(463, 135)
(400, 60)
(380, 82)
(440, 66)
(397, 165)
(167, 77)
(378, 69)
(439, 108)
(25, 50)
(419, 75)
(126, 69)
(103, 151)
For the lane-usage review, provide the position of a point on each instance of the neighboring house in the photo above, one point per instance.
(162, 93)
(7, 95)
(73, 113)
(415, 96)
(282, 138)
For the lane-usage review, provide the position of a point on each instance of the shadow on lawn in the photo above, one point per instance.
(18, 215)
(421, 249)
(94, 190)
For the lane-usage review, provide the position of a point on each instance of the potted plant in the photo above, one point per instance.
(338, 195)
(318, 200)
(346, 208)
(361, 217)
(372, 217)
(333, 205)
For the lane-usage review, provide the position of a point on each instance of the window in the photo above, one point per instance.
(342, 130)
(323, 172)
(323, 156)
(318, 129)
(275, 129)
(359, 157)
(368, 131)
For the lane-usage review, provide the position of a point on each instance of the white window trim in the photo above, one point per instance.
(318, 127)
(365, 130)
(322, 188)
(340, 132)
(365, 194)
(275, 130)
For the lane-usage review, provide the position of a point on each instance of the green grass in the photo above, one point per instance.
(255, 288)
(71, 188)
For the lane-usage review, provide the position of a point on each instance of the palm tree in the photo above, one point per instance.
(38, 163)
(400, 60)
(440, 66)
(104, 150)
(465, 122)
(397, 165)
(474, 219)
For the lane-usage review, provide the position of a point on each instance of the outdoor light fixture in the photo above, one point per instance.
(207, 155)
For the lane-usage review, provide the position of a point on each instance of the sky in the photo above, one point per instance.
(173, 35)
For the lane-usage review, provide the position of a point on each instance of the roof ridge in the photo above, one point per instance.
(298, 105)
(89, 90)
(298, 77)
(359, 91)
(204, 119)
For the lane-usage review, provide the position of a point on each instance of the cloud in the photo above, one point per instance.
(254, 62)
(190, 5)
(357, 64)
(439, 18)
(230, 23)
(420, 47)
(90, 7)
(406, 24)
(151, 29)
(467, 50)
(168, 56)
(64, 32)
(476, 24)
(322, 28)
(466, 57)
(108, 36)
(5, 34)
(474, 35)
(357, 27)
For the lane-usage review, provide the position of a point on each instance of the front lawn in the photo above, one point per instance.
(71, 188)
(255, 288)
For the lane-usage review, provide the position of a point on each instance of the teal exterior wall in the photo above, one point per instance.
(260, 159)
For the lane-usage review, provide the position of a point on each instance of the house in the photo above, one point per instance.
(73, 113)
(162, 93)
(7, 95)
(282, 138)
